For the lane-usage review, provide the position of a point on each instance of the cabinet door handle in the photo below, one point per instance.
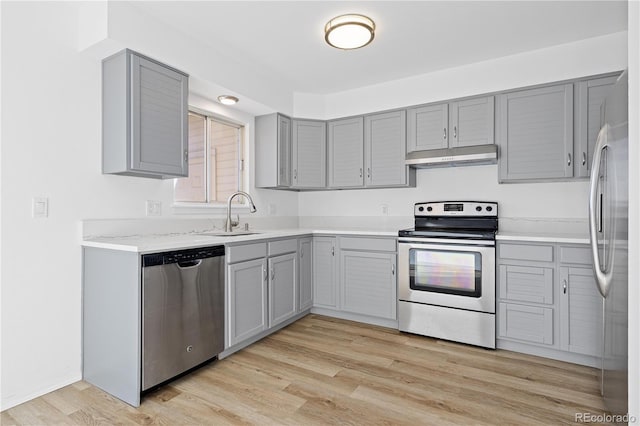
(564, 286)
(360, 171)
(264, 273)
(186, 155)
(569, 159)
(295, 174)
(333, 251)
(368, 172)
(393, 269)
(444, 134)
(273, 274)
(455, 132)
(584, 158)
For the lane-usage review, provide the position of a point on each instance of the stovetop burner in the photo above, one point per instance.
(470, 220)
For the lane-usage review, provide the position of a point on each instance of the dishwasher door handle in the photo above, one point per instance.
(189, 263)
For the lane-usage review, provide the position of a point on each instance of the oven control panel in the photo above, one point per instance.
(456, 208)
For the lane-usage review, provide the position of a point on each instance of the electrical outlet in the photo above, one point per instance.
(385, 209)
(154, 208)
(39, 207)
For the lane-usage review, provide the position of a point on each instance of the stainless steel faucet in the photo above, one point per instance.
(228, 226)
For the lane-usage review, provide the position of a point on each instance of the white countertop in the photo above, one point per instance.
(162, 242)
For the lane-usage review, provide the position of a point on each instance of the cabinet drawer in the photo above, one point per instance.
(246, 252)
(283, 246)
(526, 252)
(580, 255)
(527, 323)
(368, 244)
(526, 284)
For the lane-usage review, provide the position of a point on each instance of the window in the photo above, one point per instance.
(215, 161)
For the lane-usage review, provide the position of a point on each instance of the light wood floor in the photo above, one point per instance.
(322, 370)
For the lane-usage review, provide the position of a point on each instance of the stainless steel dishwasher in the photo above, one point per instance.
(182, 312)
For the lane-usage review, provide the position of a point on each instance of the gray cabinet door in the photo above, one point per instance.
(284, 151)
(283, 276)
(581, 307)
(159, 124)
(247, 300)
(532, 324)
(536, 133)
(533, 284)
(309, 154)
(591, 95)
(368, 283)
(427, 127)
(144, 117)
(305, 275)
(385, 149)
(471, 122)
(325, 284)
(346, 153)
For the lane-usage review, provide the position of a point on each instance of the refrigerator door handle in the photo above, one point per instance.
(603, 277)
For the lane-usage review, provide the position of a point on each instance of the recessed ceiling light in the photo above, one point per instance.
(349, 31)
(227, 99)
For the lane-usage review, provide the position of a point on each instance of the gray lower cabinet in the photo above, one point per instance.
(305, 273)
(355, 278)
(273, 151)
(309, 154)
(467, 122)
(368, 283)
(283, 293)
(325, 283)
(590, 99)
(345, 141)
(535, 134)
(548, 301)
(247, 300)
(144, 117)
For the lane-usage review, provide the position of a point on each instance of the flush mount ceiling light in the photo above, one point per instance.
(227, 99)
(349, 31)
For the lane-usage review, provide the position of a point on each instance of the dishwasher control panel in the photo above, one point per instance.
(169, 257)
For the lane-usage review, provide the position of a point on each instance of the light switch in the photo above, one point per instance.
(40, 207)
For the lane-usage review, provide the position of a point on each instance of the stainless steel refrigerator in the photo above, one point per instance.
(608, 228)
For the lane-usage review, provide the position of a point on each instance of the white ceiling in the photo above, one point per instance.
(412, 37)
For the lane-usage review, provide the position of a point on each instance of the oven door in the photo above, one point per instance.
(448, 273)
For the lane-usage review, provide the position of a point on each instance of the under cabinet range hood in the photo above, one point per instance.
(447, 157)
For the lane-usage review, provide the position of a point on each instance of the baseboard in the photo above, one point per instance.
(588, 360)
(383, 322)
(13, 400)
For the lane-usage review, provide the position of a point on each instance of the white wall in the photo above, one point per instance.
(546, 200)
(51, 142)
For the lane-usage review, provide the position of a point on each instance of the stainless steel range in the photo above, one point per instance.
(447, 272)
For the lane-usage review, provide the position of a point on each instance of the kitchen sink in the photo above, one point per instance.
(228, 234)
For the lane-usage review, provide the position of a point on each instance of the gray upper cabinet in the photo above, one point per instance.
(346, 148)
(471, 122)
(385, 149)
(309, 154)
(590, 98)
(427, 127)
(273, 151)
(448, 125)
(536, 133)
(144, 117)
